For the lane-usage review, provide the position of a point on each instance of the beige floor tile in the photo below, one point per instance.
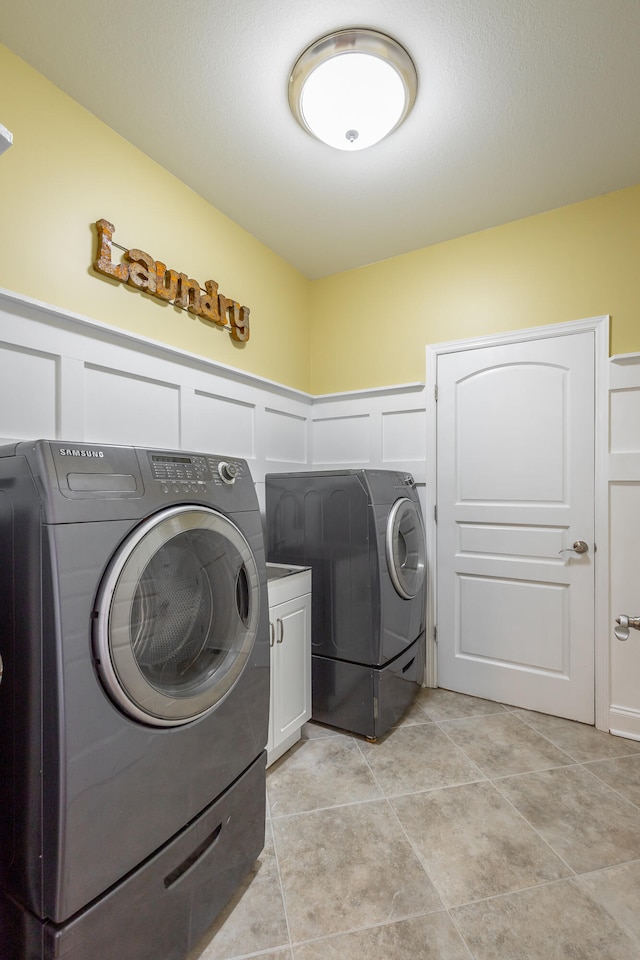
(322, 772)
(579, 740)
(348, 867)
(254, 919)
(623, 774)
(581, 818)
(452, 777)
(501, 745)
(277, 955)
(428, 938)
(445, 705)
(316, 731)
(272, 955)
(554, 922)
(474, 844)
(618, 891)
(413, 714)
(417, 757)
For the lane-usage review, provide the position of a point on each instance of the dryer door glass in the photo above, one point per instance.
(406, 550)
(177, 615)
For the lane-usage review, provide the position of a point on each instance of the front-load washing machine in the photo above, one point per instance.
(133, 699)
(361, 532)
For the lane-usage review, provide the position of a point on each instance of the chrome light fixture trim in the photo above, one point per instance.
(383, 57)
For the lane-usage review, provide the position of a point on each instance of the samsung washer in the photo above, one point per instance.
(134, 697)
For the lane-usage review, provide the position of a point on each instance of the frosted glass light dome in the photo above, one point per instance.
(352, 88)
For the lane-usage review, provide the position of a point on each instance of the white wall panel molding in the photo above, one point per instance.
(66, 376)
(30, 402)
(69, 377)
(340, 441)
(624, 540)
(226, 421)
(286, 438)
(65, 326)
(122, 407)
(382, 428)
(70, 400)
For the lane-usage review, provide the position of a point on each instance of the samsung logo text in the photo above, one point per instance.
(69, 452)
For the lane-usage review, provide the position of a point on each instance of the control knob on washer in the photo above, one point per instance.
(227, 471)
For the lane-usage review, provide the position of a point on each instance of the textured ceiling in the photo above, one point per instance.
(523, 106)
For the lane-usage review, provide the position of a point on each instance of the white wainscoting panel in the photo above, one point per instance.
(122, 408)
(383, 429)
(68, 377)
(286, 438)
(624, 541)
(403, 433)
(341, 441)
(625, 418)
(71, 378)
(28, 392)
(220, 423)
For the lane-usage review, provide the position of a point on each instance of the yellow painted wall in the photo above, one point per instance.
(363, 328)
(66, 170)
(370, 326)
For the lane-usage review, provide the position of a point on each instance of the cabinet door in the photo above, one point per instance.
(291, 667)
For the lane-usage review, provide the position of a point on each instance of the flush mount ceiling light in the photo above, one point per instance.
(352, 88)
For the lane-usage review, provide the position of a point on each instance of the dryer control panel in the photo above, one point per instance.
(403, 480)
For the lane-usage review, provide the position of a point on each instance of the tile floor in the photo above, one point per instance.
(472, 831)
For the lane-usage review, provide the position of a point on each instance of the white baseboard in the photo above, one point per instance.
(624, 722)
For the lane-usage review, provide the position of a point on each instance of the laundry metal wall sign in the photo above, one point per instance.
(151, 276)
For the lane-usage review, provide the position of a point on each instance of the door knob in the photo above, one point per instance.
(625, 624)
(579, 546)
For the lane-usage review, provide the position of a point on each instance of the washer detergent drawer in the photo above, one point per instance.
(162, 909)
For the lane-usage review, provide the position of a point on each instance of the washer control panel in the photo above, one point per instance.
(178, 469)
(227, 471)
(191, 473)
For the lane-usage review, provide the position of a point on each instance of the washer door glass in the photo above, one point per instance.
(177, 615)
(406, 550)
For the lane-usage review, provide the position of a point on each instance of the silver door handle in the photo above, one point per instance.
(625, 624)
(580, 546)
(271, 634)
(280, 637)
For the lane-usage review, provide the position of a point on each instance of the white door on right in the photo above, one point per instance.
(515, 493)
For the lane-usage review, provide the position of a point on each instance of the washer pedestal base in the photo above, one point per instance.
(164, 907)
(363, 699)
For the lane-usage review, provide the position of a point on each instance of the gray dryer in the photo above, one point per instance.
(361, 532)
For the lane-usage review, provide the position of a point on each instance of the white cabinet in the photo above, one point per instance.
(289, 590)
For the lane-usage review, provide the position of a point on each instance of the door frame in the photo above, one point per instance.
(600, 328)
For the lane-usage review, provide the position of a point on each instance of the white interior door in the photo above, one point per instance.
(515, 491)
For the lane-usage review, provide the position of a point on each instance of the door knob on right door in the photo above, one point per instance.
(625, 624)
